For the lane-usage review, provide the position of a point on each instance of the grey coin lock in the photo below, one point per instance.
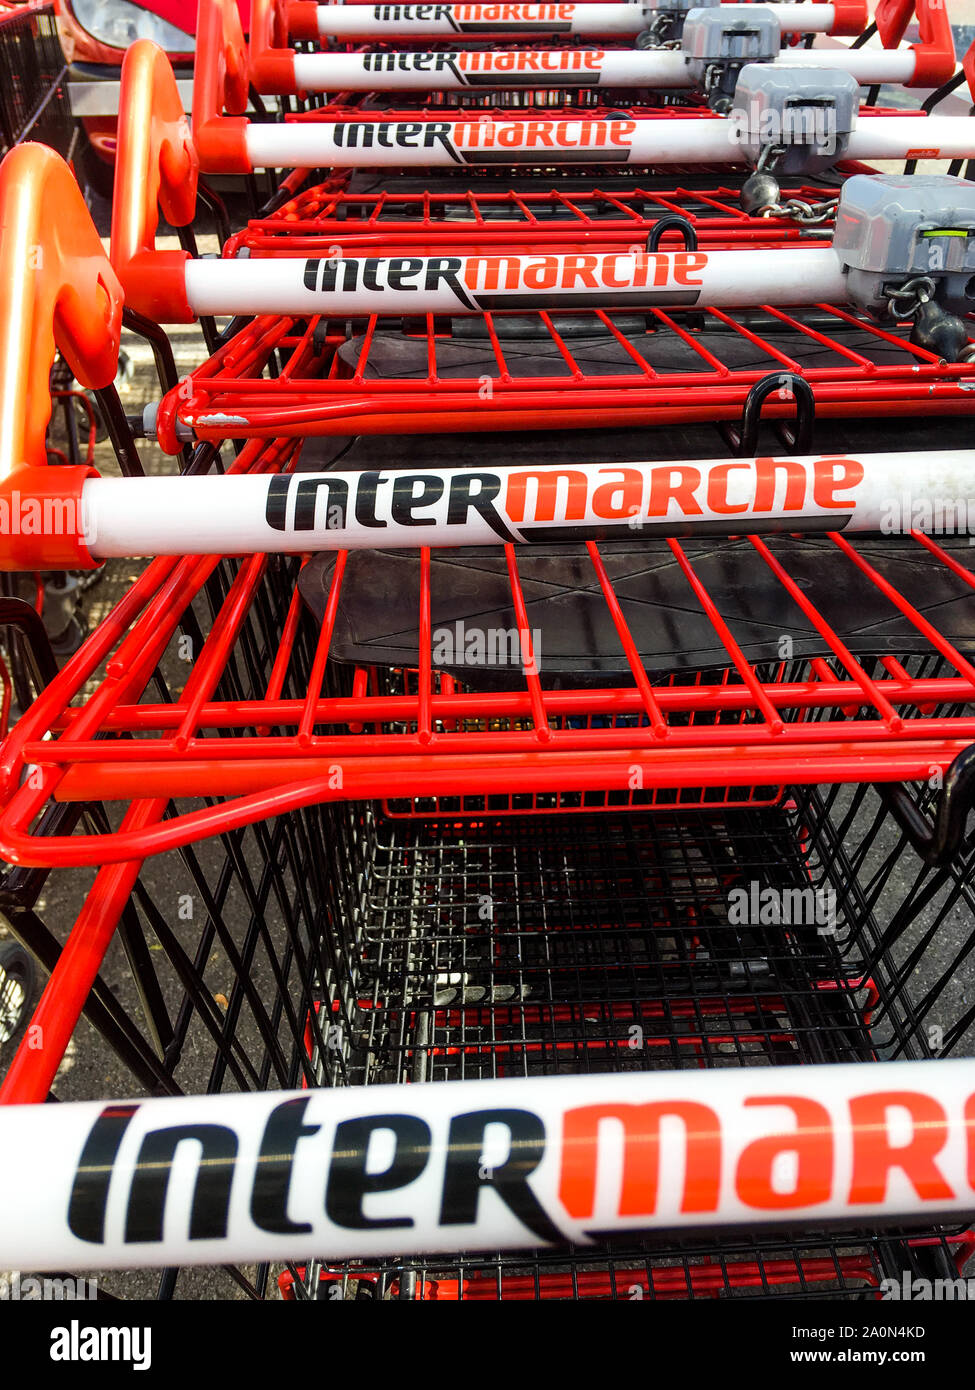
(894, 229)
(716, 47)
(794, 120)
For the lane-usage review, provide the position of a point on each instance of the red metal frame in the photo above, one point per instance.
(270, 57)
(333, 387)
(695, 1276)
(318, 218)
(834, 723)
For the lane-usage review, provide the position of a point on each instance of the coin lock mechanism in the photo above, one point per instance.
(791, 121)
(717, 44)
(908, 248)
(665, 20)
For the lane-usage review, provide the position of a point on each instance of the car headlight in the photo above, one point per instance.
(119, 23)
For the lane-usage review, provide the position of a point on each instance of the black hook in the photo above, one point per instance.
(744, 439)
(672, 222)
(936, 844)
(24, 617)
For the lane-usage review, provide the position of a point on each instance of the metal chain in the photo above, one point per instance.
(797, 210)
(907, 300)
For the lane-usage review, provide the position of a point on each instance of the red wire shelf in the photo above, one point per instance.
(564, 369)
(525, 221)
(343, 718)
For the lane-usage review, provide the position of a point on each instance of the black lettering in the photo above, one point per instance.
(211, 1192)
(365, 499)
(370, 277)
(321, 277)
(406, 499)
(434, 132)
(348, 1181)
(405, 133)
(89, 1191)
(272, 1183)
(446, 269)
(463, 499)
(276, 507)
(306, 502)
(465, 1174)
(400, 270)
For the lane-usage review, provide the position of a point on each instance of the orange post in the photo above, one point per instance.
(272, 62)
(156, 166)
(57, 286)
(221, 80)
(935, 53)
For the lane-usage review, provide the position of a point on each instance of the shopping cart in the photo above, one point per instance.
(540, 883)
(274, 67)
(225, 69)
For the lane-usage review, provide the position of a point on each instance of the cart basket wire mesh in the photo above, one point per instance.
(341, 946)
(33, 100)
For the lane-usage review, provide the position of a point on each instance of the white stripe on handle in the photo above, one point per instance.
(473, 284)
(447, 143)
(481, 1165)
(486, 70)
(306, 512)
(593, 20)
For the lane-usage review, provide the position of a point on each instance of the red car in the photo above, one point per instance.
(94, 36)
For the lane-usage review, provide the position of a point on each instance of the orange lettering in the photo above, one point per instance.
(610, 278)
(718, 489)
(641, 1156)
(685, 262)
(628, 488)
(874, 1156)
(765, 480)
(547, 484)
(542, 274)
(826, 484)
(663, 489)
(579, 269)
(812, 1143)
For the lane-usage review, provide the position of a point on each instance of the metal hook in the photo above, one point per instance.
(744, 440)
(938, 843)
(672, 222)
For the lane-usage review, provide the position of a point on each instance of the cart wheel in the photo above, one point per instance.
(17, 980)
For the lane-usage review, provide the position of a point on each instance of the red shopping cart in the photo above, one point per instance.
(413, 867)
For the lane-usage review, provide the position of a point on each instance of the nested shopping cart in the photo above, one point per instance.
(549, 874)
(706, 813)
(421, 367)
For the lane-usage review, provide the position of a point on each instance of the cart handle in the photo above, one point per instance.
(59, 288)
(271, 59)
(221, 82)
(934, 54)
(156, 166)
